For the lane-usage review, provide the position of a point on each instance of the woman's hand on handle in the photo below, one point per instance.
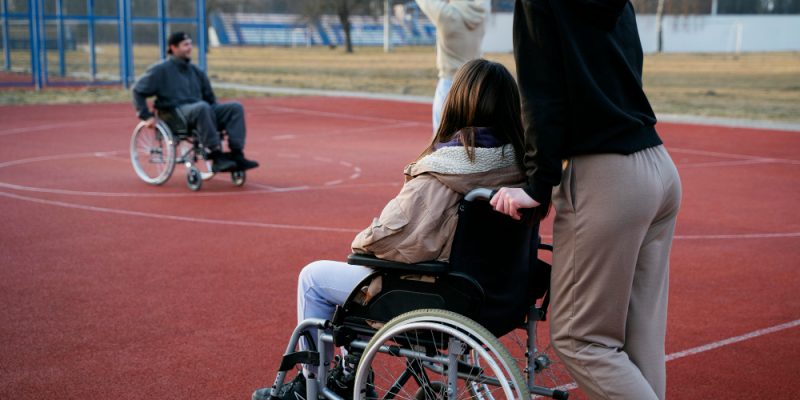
(510, 200)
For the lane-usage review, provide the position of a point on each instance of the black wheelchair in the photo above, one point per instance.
(155, 151)
(430, 330)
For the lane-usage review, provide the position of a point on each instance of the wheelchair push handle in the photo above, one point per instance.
(480, 193)
(487, 194)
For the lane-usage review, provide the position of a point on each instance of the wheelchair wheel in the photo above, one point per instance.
(438, 354)
(548, 370)
(238, 177)
(152, 153)
(193, 179)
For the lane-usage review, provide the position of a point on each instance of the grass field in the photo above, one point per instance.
(763, 86)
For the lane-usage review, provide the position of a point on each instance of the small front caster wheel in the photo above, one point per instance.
(238, 177)
(193, 179)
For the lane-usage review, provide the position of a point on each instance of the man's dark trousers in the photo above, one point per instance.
(208, 119)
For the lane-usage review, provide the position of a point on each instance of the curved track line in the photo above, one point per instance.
(338, 115)
(744, 157)
(35, 128)
(739, 236)
(355, 174)
(264, 189)
(179, 218)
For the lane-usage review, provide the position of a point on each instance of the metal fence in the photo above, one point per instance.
(91, 42)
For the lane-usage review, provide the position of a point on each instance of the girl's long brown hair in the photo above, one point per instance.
(484, 94)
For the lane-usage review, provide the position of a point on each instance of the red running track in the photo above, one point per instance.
(113, 289)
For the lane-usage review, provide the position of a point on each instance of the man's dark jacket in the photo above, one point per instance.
(174, 81)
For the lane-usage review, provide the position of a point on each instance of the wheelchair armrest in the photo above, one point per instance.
(428, 267)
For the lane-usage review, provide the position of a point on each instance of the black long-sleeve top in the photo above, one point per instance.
(579, 69)
(174, 81)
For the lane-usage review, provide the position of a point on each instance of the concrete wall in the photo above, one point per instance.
(721, 33)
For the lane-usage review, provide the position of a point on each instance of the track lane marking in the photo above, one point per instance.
(736, 339)
(180, 218)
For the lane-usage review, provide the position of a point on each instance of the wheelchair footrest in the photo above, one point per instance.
(299, 357)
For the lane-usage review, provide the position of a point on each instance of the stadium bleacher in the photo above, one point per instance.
(293, 30)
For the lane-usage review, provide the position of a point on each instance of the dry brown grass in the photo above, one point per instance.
(756, 86)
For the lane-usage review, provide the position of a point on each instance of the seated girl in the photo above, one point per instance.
(479, 143)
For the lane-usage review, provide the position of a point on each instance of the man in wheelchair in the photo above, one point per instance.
(478, 144)
(182, 88)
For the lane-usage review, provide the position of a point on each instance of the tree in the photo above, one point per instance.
(314, 9)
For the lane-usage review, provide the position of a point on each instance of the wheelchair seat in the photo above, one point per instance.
(176, 121)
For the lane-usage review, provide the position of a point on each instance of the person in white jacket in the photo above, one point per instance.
(460, 27)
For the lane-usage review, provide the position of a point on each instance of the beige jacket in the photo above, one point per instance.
(460, 27)
(418, 225)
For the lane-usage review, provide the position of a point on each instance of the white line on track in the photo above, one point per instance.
(730, 341)
(104, 154)
(732, 155)
(179, 218)
(723, 164)
(732, 236)
(264, 189)
(44, 127)
(740, 236)
(112, 155)
(343, 115)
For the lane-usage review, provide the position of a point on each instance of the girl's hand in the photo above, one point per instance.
(509, 200)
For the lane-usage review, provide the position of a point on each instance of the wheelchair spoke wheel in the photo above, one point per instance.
(152, 153)
(437, 355)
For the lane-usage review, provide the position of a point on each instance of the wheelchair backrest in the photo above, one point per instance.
(498, 252)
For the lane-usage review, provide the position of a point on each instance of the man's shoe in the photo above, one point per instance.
(294, 390)
(241, 162)
(221, 163)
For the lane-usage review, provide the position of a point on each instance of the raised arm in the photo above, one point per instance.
(433, 9)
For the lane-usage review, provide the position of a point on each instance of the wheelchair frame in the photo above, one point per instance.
(423, 356)
(163, 146)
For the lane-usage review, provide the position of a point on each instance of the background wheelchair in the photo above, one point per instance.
(155, 151)
(430, 330)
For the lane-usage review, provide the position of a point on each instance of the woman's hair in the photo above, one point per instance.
(483, 94)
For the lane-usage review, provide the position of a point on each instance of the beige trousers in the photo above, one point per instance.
(612, 236)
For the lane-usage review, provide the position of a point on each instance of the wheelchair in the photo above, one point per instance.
(430, 330)
(155, 151)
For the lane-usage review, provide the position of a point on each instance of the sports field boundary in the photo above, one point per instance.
(671, 118)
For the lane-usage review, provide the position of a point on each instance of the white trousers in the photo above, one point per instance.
(438, 101)
(321, 286)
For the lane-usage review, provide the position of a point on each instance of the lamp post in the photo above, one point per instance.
(387, 27)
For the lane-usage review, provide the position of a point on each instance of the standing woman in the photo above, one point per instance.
(592, 144)
(460, 27)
